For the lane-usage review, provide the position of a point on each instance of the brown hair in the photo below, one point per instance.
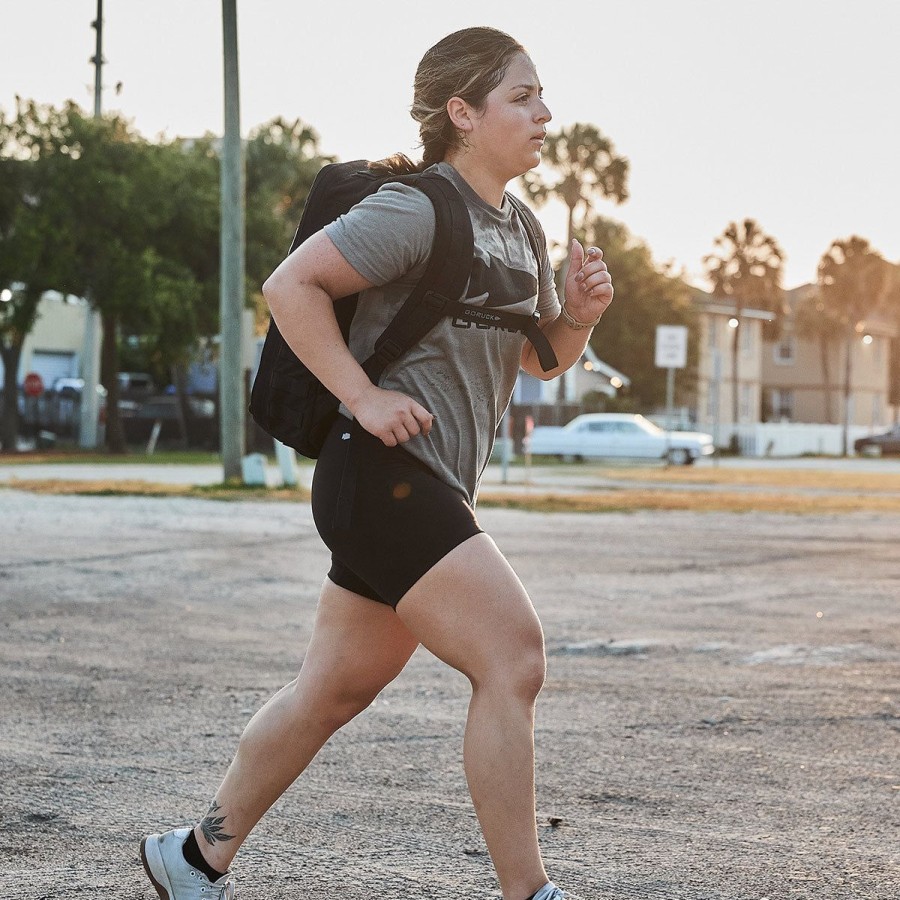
(468, 64)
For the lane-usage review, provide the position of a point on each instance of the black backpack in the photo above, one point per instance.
(287, 400)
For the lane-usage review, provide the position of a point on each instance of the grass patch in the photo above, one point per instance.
(92, 457)
(101, 488)
(790, 478)
(630, 500)
(615, 500)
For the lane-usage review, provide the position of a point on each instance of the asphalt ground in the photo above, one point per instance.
(721, 718)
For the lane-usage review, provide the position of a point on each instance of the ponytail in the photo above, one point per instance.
(397, 164)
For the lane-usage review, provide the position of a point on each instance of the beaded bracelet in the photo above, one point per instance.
(572, 322)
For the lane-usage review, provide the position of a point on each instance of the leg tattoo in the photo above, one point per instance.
(212, 827)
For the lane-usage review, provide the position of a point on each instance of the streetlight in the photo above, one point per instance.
(5, 295)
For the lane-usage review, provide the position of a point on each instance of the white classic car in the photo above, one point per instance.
(618, 435)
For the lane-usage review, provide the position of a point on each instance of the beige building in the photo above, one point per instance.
(54, 347)
(804, 381)
(715, 370)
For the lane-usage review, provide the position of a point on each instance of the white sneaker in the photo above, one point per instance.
(173, 877)
(549, 892)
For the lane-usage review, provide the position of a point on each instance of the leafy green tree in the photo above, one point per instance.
(89, 207)
(36, 250)
(184, 266)
(283, 159)
(747, 272)
(113, 206)
(854, 281)
(647, 295)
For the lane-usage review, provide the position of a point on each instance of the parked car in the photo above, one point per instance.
(139, 418)
(619, 435)
(878, 444)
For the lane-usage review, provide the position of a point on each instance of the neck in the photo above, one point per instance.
(487, 184)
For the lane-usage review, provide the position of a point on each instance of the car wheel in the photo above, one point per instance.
(678, 456)
(870, 450)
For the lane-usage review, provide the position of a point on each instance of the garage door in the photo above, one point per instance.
(51, 365)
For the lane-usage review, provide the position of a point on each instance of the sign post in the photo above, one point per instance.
(671, 354)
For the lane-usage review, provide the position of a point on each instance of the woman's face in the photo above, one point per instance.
(508, 131)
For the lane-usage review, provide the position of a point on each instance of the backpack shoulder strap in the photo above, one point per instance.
(444, 280)
(533, 229)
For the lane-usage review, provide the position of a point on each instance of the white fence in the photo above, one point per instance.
(790, 438)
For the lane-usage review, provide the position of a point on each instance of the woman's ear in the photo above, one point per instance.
(460, 114)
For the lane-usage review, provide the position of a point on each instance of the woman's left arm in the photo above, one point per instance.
(588, 292)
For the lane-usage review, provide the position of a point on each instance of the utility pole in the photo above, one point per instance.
(231, 293)
(90, 352)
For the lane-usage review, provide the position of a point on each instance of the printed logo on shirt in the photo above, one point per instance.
(493, 285)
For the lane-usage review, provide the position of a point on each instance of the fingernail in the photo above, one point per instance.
(579, 276)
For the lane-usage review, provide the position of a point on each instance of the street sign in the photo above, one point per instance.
(671, 346)
(33, 385)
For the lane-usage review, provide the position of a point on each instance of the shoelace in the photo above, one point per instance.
(219, 891)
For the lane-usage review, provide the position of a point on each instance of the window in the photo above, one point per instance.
(782, 401)
(786, 351)
(713, 332)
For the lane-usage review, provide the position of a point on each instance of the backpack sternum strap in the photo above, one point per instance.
(498, 318)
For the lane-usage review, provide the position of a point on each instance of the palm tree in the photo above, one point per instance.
(853, 282)
(747, 271)
(586, 166)
(814, 320)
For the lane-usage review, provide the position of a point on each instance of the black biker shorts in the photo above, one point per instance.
(383, 513)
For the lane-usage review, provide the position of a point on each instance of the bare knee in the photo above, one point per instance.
(519, 674)
(305, 705)
(332, 705)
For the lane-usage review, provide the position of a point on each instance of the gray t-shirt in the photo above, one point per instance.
(462, 373)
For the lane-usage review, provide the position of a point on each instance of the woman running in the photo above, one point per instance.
(413, 566)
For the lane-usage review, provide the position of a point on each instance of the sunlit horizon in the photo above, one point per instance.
(725, 112)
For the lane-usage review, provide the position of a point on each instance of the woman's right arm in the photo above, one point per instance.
(301, 294)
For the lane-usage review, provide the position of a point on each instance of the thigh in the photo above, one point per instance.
(357, 647)
(472, 611)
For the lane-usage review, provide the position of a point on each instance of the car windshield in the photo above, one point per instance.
(647, 425)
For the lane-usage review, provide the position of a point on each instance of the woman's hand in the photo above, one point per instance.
(391, 416)
(589, 288)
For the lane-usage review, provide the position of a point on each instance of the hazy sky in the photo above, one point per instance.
(782, 110)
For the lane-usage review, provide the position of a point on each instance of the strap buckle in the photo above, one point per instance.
(387, 352)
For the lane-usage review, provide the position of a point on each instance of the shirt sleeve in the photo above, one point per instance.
(388, 235)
